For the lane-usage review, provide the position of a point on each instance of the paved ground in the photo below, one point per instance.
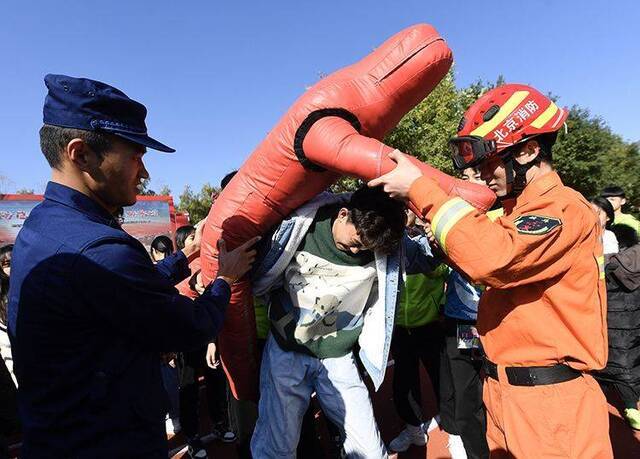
(626, 442)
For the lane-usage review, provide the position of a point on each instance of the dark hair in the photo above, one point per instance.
(4, 285)
(606, 206)
(182, 234)
(54, 139)
(612, 191)
(625, 234)
(226, 179)
(546, 142)
(378, 219)
(162, 244)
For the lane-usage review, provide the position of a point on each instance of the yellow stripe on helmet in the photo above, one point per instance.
(447, 216)
(499, 117)
(545, 116)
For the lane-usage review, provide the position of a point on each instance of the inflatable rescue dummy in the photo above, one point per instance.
(333, 130)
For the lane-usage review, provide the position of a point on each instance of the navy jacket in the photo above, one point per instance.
(89, 314)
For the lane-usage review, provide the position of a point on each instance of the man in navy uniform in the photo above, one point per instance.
(89, 314)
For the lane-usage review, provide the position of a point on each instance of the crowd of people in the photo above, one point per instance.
(521, 317)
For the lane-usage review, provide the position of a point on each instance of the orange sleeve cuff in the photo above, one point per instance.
(427, 196)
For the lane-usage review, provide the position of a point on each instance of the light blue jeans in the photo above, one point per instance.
(287, 380)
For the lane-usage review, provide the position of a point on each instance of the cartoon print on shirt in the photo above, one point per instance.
(323, 318)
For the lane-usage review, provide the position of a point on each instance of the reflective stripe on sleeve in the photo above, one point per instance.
(447, 216)
(601, 266)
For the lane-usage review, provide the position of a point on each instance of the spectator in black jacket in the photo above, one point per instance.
(623, 320)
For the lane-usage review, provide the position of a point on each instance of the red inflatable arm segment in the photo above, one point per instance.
(334, 143)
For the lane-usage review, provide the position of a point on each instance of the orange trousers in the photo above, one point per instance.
(565, 420)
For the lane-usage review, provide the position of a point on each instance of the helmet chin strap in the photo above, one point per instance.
(517, 173)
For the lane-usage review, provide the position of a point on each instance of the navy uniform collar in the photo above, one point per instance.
(72, 198)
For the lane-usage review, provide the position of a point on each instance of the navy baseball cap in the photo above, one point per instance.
(81, 103)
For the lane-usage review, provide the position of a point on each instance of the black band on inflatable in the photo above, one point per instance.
(306, 125)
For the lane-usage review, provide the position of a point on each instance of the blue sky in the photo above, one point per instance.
(217, 75)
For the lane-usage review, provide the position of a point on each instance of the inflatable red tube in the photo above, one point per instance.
(334, 129)
(333, 143)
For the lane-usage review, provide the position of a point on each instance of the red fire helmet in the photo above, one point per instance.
(501, 118)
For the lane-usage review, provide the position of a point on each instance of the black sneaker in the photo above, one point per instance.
(223, 433)
(196, 449)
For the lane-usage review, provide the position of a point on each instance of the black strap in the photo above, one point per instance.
(533, 376)
(520, 180)
(490, 369)
(306, 125)
(516, 172)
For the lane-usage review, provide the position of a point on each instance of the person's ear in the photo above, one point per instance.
(623, 201)
(80, 155)
(528, 152)
(343, 213)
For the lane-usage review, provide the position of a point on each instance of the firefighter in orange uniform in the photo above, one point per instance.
(542, 318)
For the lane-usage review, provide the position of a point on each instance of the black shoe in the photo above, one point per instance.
(223, 433)
(196, 449)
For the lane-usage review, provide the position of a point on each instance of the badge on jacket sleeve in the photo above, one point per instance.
(536, 224)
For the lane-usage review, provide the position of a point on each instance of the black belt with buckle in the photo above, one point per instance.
(533, 376)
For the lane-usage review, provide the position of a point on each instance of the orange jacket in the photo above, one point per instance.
(543, 267)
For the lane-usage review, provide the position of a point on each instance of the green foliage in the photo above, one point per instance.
(579, 155)
(425, 131)
(590, 156)
(145, 190)
(165, 191)
(621, 166)
(346, 184)
(197, 204)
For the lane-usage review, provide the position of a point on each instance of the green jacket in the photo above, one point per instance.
(629, 220)
(421, 298)
(262, 319)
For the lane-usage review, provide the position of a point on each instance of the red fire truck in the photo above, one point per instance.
(149, 217)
